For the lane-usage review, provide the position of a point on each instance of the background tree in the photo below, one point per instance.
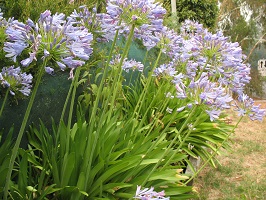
(244, 21)
(203, 11)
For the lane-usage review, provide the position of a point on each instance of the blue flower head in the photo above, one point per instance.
(52, 38)
(15, 80)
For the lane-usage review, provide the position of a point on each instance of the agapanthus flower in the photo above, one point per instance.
(214, 114)
(138, 11)
(127, 65)
(214, 54)
(167, 70)
(26, 62)
(190, 27)
(53, 38)
(203, 92)
(82, 16)
(164, 38)
(149, 194)
(71, 63)
(245, 106)
(149, 40)
(170, 43)
(132, 64)
(14, 49)
(49, 70)
(109, 27)
(15, 80)
(101, 23)
(120, 15)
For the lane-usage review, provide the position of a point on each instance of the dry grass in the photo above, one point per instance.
(242, 172)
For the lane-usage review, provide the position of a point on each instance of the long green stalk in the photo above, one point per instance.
(215, 152)
(88, 159)
(143, 94)
(171, 144)
(118, 76)
(4, 102)
(22, 129)
(75, 85)
(96, 102)
(66, 102)
(71, 108)
(181, 144)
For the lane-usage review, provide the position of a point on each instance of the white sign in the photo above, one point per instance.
(262, 67)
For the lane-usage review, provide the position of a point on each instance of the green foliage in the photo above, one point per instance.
(247, 33)
(205, 12)
(255, 85)
(242, 32)
(123, 136)
(205, 136)
(5, 149)
(22, 9)
(103, 166)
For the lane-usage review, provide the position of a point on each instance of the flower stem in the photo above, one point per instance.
(75, 85)
(143, 94)
(171, 144)
(70, 114)
(215, 152)
(4, 102)
(181, 144)
(21, 131)
(66, 102)
(88, 159)
(117, 76)
(199, 75)
(105, 72)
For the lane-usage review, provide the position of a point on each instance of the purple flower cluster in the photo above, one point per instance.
(127, 64)
(52, 38)
(86, 18)
(120, 15)
(165, 70)
(205, 68)
(3, 21)
(138, 11)
(15, 80)
(149, 194)
(245, 106)
(162, 37)
(202, 91)
(213, 53)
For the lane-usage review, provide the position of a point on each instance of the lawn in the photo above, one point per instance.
(242, 172)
